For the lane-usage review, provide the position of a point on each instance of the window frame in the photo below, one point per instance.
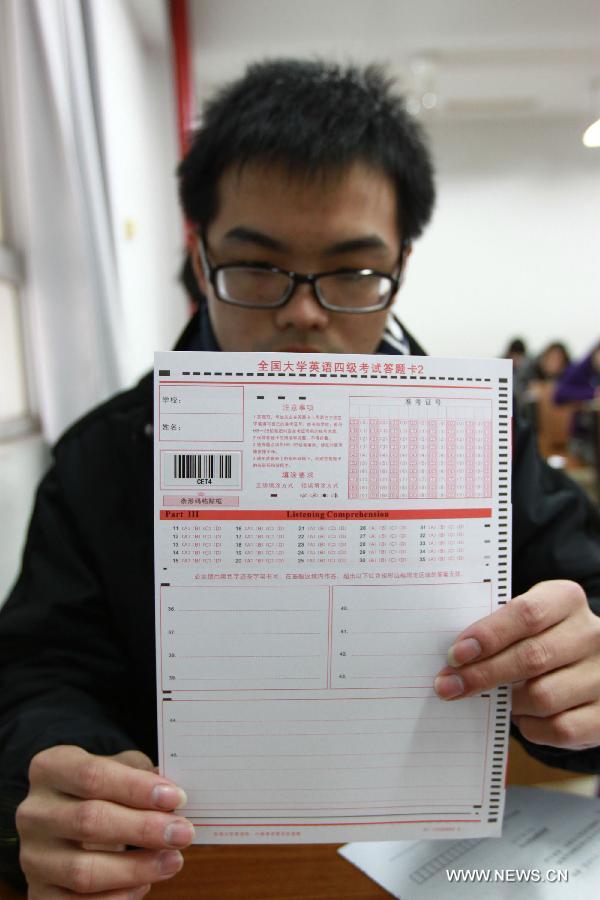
(11, 188)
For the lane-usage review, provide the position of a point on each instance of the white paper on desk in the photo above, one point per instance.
(324, 528)
(550, 847)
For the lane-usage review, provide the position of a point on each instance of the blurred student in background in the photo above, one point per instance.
(580, 383)
(537, 401)
(516, 350)
(549, 365)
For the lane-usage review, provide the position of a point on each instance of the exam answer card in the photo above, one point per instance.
(324, 529)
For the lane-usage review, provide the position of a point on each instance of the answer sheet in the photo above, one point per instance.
(325, 526)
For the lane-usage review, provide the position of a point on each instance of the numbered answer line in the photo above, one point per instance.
(284, 734)
(327, 721)
(335, 754)
(229, 610)
(323, 768)
(255, 656)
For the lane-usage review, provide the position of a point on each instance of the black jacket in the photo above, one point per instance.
(77, 661)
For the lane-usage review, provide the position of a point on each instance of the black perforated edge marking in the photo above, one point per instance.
(377, 376)
(502, 481)
(496, 790)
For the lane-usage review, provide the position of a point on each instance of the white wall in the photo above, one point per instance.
(514, 245)
(512, 249)
(139, 131)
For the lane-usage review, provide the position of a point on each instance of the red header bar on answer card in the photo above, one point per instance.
(364, 515)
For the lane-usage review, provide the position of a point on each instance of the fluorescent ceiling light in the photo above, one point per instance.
(591, 135)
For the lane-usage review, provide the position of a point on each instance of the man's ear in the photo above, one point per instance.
(198, 267)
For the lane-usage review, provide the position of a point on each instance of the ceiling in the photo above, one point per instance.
(481, 59)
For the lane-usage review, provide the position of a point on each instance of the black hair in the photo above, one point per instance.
(516, 345)
(314, 118)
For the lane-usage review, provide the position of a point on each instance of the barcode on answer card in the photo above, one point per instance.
(210, 469)
(202, 465)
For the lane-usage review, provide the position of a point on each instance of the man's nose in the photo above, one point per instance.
(302, 311)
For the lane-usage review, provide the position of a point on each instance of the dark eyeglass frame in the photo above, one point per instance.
(297, 278)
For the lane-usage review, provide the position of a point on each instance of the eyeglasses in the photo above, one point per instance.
(261, 286)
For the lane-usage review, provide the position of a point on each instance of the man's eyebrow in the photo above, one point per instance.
(353, 245)
(246, 235)
(242, 234)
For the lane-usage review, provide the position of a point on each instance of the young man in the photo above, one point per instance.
(306, 186)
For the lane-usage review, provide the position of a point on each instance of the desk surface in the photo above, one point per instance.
(310, 872)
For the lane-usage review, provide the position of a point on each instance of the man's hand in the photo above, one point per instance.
(80, 814)
(547, 644)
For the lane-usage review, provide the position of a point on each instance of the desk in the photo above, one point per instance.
(309, 872)
(291, 872)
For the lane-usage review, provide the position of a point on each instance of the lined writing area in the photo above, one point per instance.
(241, 638)
(221, 638)
(398, 636)
(356, 758)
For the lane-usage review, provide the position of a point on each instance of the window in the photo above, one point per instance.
(15, 410)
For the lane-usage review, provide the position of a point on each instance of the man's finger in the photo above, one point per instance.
(554, 648)
(86, 872)
(136, 759)
(546, 604)
(573, 729)
(73, 771)
(557, 691)
(113, 848)
(47, 892)
(100, 824)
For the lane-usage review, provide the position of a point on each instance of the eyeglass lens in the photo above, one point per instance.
(260, 287)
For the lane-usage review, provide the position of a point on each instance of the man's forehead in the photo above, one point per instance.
(246, 177)
(353, 209)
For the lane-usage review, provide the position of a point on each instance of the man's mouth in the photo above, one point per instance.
(297, 343)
